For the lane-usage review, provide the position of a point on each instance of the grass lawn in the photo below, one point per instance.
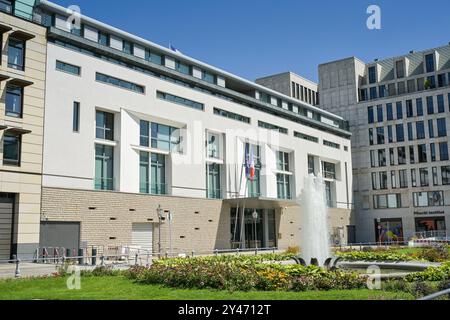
(119, 288)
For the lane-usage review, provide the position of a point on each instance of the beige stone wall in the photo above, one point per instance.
(25, 181)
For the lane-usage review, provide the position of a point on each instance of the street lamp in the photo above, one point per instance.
(160, 213)
(255, 218)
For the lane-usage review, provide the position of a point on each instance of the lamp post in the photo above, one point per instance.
(255, 218)
(160, 213)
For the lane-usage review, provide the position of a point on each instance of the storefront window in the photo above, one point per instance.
(389, 230)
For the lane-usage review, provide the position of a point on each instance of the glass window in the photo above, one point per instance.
(443, 150)
(144, 139)
(144, 172)
(441, 104)
(393, 180)
(374, 181)
(306, 137)
(422, 152)
(329, 170)
(13, 101)
(424, 181)
(231, 115)
(6, 6)
(409, 109)
(401, 155)
(445, 173)
(382, 90)
(208, 77)
(428, 199)
(400, 68)
(311, 165)
(391, 156)
(430, 83)
(213, 143)
(165, 137)
(335, 145)
(430, 128)
(419, 107)
(411, 86)
(372, 159)
(433, 152)
(16, 54)
(120, 83)
(442, 80)
(435, 176)
(372, 75)
(373, 93)
(183, 68)
(11, 149)
(158, 174)
(401, 88)
(442, 127)
(380, 135)
(380, 113)
(104, 167)
(399, 110)
(412, 158)
(390, 134)
(371, 136)
(392, 89)
(420, 84)
(128, 47)
(383, 180)
(400, 132)
(104, 125)
(429, 63)
(390, 112)
(370, 115)
(403, 179)
(213, 181)
(410, 132)
(179, 100)
(103, 38)
(430, 105)
(420, 130)
(413, 177)
(283, 161)
(76, 117)
(382, 158)
(283, 186)
(69, 68)
(273, 127)
(153, 57)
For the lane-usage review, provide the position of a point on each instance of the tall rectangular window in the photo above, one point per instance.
(414, 177)
(76, 117)
(158, 174)
(410, 132)
(213, 145)
(16, 54)
(429, 63)
(422, 152)
(424, 181)
(382, 158)
(370, 115)
(401, 155)
(104, 167)
(400, 132)
(389, 111)
(430, 105)
(283, 161)
(419, 107)
(103, 38)
(443, 150)
(283, 186)
(393, 180)
(104, 125)
(380, 135)
(380, 113)
(213, 181)
(371, 139)
(403, 179)
(311, 165)
(128, 47)
(399, 110)
(144, 172)
(412, 157)
(441, 104)
(420, 130)
(442, 127)
(14, 101)
(372, 75)
(373, 93)
(430, 128)
(392, 156)
(400, 68)
(383, 180)
(144, 136)
(11, 149)
(435, 176)
(390, 134)
(442, 81)
(372, 159)
(374, 181)
(445, 173)
(409, 109)
(433, 152)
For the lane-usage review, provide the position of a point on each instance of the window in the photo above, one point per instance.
(383, 180)
(399, 110)
(382, 90)
(391, 156)
(68, 68)
(442, 127)
(371, 136)
(329, 194)
(231, 115)
(430, 82)
(6, 6)
(419, 107)
(208, 77)
(372, 159)
(165, 138)
(445, 173)
(213, 145)
(283, 161)
(254, 185)
(127, 47)
(183, 68)
(380, 113)
(283, 186)
(442, 80)
(414, 177)
(179, 100)
(422, 152)
(390, 112)
(14, 101)
(273, 127)
(104, 125)
(16, 54)
(153, 57)
(409, 109)
(387, 201)
(76, 117)
(400, 68)
(443, 150)
(382, 158)
(144, 139)
(412, 158)
(401, 155)
(104, 167)
(103, 38)
(430, 105)
(410, 132)
(403, 179)
(392, 89)
(420, 130)
(420, 84)
(144, 172)
(370, 115)
(411, 86)
(373, 93)
(433, 152)
(213, 181)
(401, 87)
(429, 63)
(380, 135)
(428, 199)
(372, 75)
(390, 134)
(306, 137)
(158, 174)
(435, 176)
(374, 181)
(400, 132)
(441, 104)
(11, 149)
(329, 170)
(393, 180)
(331, 144)
(311, 165)
(430, 128)
(120, 83)
(424, 181)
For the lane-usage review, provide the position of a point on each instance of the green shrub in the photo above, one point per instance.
(422, 289)
(396, 286)
(440, 273)
(438, 253)
(374, 256)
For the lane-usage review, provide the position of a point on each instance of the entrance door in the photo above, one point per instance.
(142, 236)
(6, 225)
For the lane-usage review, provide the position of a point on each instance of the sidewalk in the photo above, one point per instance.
(8, 270)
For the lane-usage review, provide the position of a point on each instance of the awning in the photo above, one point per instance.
(18, 131)
(2, 127)
(4, 28)
(3, 77)
(22, 35)
(261, 203)
(20, 82)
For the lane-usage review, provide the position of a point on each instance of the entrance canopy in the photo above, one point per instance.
(261, 203)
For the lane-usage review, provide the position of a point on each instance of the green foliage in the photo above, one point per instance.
(438, 253)
(440, 273)
(374, 256)
(243, 273)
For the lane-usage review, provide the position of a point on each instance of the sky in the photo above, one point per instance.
(256, 38)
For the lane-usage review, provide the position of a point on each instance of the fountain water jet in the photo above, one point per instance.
(314, 233)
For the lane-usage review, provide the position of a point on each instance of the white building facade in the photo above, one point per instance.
(134, 131)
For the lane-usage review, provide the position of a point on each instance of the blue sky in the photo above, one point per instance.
(254, 38)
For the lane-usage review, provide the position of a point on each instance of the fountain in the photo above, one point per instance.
(314, 234)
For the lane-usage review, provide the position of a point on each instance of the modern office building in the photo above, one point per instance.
(398, 109)
(293, 85)
(22, 93)
(134, 131)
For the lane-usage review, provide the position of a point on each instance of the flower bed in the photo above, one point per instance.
(243, 273)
